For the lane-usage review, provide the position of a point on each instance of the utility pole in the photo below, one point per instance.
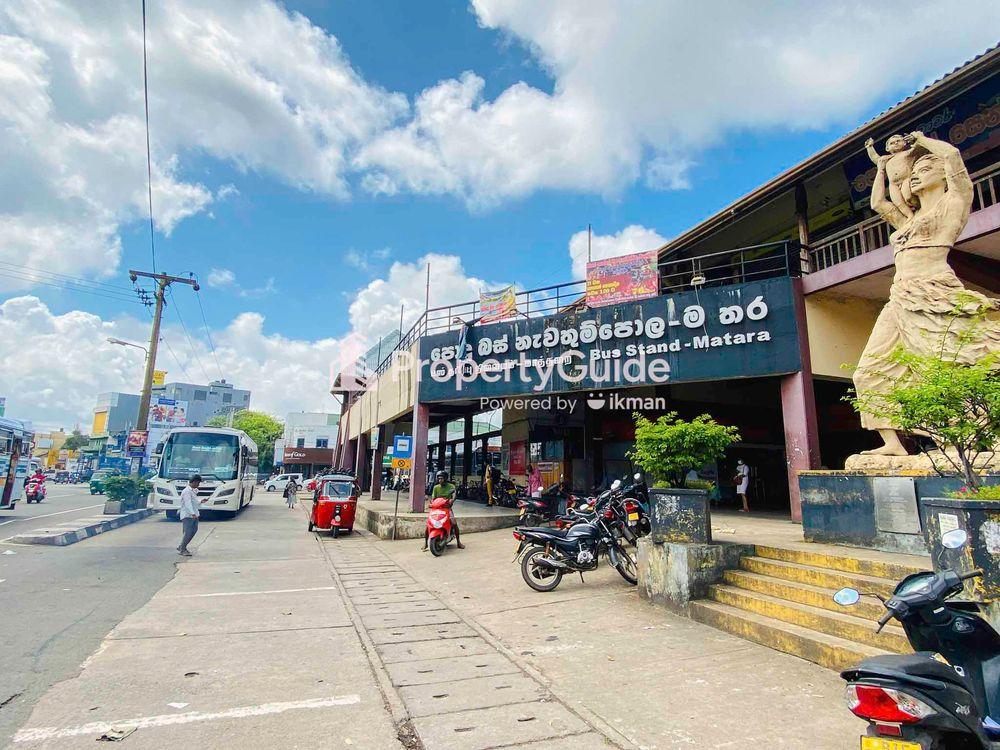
(162, 282)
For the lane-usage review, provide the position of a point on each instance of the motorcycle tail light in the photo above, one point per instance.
(631, 507)
(885, 704)
(608, 513)
(519, 536)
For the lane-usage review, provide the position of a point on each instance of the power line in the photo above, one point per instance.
(45, 273)
(208, 333)
(170, 349)
(65, 285)
(149, 160)
(187, 335)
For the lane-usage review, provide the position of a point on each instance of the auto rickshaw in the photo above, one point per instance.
(335, 505)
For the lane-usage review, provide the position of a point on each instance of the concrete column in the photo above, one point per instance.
(442, 446)
(418, 474)
(361, 457)
(802, 220)
(467, 450)
(375, 488)
(798, 411)
(347, 459)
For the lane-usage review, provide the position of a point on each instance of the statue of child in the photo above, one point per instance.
(898, 166)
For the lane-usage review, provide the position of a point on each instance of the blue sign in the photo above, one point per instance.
(715, 333)
(402, 446)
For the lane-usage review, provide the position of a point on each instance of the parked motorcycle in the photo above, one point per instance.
(34, 491)
(546, 554)
(945, 694)
(440, 529)
(546, 508)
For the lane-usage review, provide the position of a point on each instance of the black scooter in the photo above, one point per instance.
(539, 510)
(946, 694)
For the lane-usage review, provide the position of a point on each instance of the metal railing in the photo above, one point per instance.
(873, 233)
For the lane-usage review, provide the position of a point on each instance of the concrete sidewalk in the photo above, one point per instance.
(248, 646)
(71, 532)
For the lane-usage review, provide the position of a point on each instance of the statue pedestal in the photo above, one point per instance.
(879, 509)
(920, 464)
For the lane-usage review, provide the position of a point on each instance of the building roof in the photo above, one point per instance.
(944, 88)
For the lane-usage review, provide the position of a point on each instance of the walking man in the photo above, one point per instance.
(189, 514)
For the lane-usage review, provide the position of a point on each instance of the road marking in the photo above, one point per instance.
(250, 593)
(57, 513)
(164, 720)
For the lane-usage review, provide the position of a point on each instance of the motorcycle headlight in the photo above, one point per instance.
(437, 523)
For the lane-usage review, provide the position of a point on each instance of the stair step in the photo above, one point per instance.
(822, 577)
(848, 627)
(869, 608)
(826, 650)
(893, 571)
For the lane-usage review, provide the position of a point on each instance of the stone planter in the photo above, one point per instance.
(680, 516)
(981, 521)
(113, 507)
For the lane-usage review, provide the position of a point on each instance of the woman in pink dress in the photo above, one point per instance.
(534, 481)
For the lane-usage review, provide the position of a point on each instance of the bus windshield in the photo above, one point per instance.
(210, 455)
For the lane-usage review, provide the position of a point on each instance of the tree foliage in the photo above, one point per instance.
(262, 428)
(75, 441)
(670, 447)
(126, 488)
(957, 405)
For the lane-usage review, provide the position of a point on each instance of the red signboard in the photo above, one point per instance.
(627, 277)
(517, 465)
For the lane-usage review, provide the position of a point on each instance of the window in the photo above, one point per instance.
(322, 443)
(227, 398)
(300, 443)
(200, 395)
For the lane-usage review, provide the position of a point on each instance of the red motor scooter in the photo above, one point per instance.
(440, 529)
(34, 491)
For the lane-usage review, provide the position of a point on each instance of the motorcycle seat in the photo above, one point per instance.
(544, 531)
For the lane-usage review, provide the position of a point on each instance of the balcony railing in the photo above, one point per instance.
(873, 233)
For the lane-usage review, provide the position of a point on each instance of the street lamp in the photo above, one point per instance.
(120, 342)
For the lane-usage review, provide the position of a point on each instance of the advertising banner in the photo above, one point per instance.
(136, 442)
(167, 412)
(159, 377)
(497, 305)
(714, 333)
(627, 277)
(518, 463)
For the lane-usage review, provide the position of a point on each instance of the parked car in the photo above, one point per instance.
(277, 484)
(98, 478)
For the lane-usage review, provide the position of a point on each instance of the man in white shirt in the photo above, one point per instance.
(189, 513)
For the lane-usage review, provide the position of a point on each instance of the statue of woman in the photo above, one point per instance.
(927, 303)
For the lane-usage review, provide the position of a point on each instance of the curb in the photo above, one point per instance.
(62, 536)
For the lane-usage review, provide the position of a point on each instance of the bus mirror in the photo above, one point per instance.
(159, 449)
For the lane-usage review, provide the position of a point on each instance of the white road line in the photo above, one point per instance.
(38, 734)
(250, 593)
(57, 513)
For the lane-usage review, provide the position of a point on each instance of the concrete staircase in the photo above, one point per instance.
(783, 598)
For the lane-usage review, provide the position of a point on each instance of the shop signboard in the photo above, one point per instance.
(714, 333)
(136, 442)
(622, 279)
(497, 305)
(518, 464)
(314, 456)
(167, 412)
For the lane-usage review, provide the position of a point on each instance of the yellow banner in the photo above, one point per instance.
(159, 377)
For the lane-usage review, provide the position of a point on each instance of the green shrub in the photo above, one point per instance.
(669, 448)
(125, 488)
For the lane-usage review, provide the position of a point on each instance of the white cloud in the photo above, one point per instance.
(632, 239)
(220, 277)
(365, 261)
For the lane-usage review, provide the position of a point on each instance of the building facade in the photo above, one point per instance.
(307, 443)
(114, 413)
(218, 398)
(761, 311)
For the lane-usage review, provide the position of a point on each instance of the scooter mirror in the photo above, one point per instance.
(847, 597)
(616, 484)
(954, 539)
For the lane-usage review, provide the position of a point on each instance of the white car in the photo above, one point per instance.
(278, 483)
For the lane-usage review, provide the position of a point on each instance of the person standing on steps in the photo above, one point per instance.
(189, 514)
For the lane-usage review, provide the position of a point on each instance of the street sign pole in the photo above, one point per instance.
(402, 449)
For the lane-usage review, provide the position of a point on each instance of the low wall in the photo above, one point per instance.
(839, 507)
(672, 574)
(412, 525)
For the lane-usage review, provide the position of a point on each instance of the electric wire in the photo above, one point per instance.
(46, 273)
(149, 159)
(187, 335)
(208, 333)
(64, 286)
(170, 349)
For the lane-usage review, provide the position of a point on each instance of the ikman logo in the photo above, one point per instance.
(617, 402)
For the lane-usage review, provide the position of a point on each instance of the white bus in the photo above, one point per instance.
(225, 459)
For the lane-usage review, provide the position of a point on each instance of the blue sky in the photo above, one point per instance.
(487, 133)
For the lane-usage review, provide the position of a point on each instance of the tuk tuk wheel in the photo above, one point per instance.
(310, 526)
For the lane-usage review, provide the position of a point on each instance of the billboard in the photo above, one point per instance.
(622, 279)
(167, 412)
(159, 377)
(497, 305)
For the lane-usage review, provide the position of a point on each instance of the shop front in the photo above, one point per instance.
(569, 384)
(307, 461)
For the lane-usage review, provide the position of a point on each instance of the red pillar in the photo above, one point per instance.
(442, 446)
(376, 483)
(418, 474)
(798, 411)
(347, 461)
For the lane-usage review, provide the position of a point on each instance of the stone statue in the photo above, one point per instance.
(926, 299)
(897, 165)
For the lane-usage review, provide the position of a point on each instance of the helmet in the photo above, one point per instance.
(442, 476)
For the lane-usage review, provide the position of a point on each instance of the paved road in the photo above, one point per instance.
(64, 502)
(59, 602)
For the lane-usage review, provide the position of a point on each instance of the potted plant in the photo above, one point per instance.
(666, 450)
(124, 493)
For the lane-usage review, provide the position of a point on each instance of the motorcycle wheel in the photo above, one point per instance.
(437, 545)
(626, 566)
(537, 576)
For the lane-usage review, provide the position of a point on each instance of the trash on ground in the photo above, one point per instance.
(115, 735)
